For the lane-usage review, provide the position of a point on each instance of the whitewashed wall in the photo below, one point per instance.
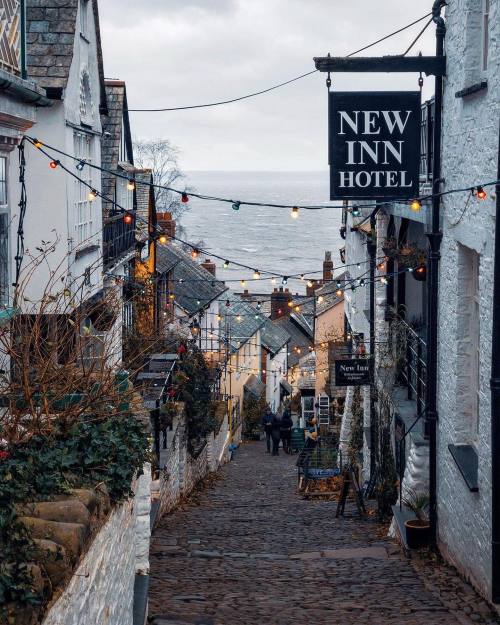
(470, 149)
(275, 371)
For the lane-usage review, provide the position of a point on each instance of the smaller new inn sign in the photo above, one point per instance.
(355, 372)
(374, 145)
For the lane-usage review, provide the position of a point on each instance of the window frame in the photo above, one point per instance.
(5, 214)
(83, 207)
(485, 34)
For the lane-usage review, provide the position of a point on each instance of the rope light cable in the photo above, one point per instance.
(39, 146)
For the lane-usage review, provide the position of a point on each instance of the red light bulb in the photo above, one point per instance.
(184, 198)
(481, 193)
(53, 164)
(127, 218)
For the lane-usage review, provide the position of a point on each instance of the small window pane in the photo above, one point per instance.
(3, 180)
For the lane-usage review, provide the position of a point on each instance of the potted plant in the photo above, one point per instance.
(418, 529)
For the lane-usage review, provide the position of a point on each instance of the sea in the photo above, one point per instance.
(266, 239)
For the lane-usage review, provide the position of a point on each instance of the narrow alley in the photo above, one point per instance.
(249, 550)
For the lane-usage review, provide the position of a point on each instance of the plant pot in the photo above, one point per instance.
(418, 533)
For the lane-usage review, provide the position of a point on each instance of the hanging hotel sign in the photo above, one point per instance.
(353, 372)
(374, 144)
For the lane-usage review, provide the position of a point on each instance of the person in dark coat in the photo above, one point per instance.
(286, 431)
(267, 426)
(276, 434)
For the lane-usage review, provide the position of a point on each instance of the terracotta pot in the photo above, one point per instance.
(418, 533)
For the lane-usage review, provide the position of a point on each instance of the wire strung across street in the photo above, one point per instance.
(236, 203)
(281, 84)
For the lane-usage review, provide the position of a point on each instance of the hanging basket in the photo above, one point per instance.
(420, 273)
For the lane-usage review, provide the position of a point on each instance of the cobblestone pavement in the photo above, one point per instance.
(250, 551)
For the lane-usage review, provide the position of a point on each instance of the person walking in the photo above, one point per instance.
(276, 434)
(286, 431)
(267, 426)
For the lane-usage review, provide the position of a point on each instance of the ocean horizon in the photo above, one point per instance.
(264, 238)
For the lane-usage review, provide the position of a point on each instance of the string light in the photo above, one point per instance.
(238, 317)
(310, 283)
(381, 266)
(273, 280)
(163, 239)
(243, 282)
(130, 185)
(355, 211)
(226, 264)
(338, 284)
(219, 317)
(93, 195)
(53, 164)
(37, 144)
(416, 205)
(172, 296)
(127, 218)
(338, 292)
(320, 299)
(236, 206)
(481, 193)
(295, 212)
(195, 253)
(80, 165)
(302, 276)
(297, 308)
(384, 280)
(184, 197)
(285, 280)
(290, 304)
(256, 274)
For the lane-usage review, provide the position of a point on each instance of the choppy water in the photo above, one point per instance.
(264, 238)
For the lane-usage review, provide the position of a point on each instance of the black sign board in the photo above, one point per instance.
(354, 372)
(374, 144)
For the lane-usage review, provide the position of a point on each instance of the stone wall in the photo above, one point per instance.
(102, 588)
(470, 149)
(182, 471)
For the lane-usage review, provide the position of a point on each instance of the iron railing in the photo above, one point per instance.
(426, 134)
(118, 239)
(411, 367)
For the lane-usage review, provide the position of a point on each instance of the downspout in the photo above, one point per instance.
(435, 237)
(372, 252)
(495, 407)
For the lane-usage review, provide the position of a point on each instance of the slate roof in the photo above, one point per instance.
(51, 26)
(263, 298)
(273, 337)
(197, 284)
(330, 298)
(298, 338)
(117, 119)
(251, 319)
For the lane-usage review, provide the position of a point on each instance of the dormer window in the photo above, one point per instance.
(86, 105)
(84, 13)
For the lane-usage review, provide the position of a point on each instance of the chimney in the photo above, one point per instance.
(279, 303)
(328, 267)
(310, 290)
(246, 294)
(209, 266)
(166, 223)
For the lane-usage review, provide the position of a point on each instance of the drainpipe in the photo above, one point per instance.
(372, 251)
(435, 237)
(495, 408)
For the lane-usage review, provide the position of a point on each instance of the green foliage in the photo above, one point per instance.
(253, 409)
(111, 451)
(356, 438)
(417, 502)
(195, 382)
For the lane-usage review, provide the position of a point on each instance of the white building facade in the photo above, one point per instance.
(469, 157)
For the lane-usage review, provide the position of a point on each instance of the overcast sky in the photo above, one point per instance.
(182, 52)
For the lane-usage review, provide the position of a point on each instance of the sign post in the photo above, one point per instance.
(374, 145)
(352, 372)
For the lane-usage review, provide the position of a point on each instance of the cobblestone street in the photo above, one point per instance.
(249, 550)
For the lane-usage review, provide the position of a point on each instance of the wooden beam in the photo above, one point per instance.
(429, 65)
